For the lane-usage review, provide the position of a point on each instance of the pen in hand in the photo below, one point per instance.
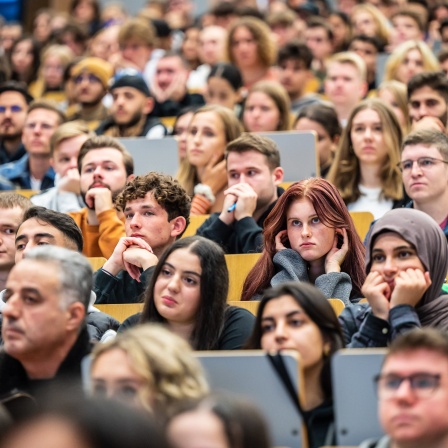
(232, 207)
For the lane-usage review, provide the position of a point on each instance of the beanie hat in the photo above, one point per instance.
(135, 80)
(102, 69)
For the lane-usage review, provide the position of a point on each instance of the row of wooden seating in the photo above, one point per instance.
(238, 266)
(123, 310)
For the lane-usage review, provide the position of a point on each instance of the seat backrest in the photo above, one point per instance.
(246, 374)
(27, 193)
(362, 221)
(239, 265)
(196, 221)
(355, 401)
(298, 154)
(160, 154)
(121, 311)
(96, 262)
(338, 305)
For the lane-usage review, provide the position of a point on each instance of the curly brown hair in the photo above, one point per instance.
(165, 189)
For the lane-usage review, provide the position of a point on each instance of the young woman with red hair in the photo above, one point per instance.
(309, 236)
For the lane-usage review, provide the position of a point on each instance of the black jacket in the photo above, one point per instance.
(242, 237)
(13, 376)
(150, 123)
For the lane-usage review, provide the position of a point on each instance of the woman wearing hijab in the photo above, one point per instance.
(406, 265)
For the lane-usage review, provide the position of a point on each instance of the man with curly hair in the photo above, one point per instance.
(156, 210)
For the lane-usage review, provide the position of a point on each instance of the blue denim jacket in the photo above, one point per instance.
(19, 174)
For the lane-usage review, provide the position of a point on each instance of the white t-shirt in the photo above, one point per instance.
(371, 201)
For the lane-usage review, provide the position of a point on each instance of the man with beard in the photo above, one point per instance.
(131, 110)
(105, 166)
(91, 77)
(14, 101)
(427, 101)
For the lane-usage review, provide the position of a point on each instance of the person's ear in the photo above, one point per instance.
(130, 177)
(76, 313)
(178, 225)
(148, 106)
(278, 174)
(335, 143)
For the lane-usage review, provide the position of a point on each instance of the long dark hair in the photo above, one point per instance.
(35, 49)
(213, 291)
(318, 309)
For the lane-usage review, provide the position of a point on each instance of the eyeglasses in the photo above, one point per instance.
(422, 384)
(424, 163)
(44, 126)
(90, 78)
(15, 109)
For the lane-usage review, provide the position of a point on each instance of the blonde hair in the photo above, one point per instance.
(261, 33)
(399, 91)
(430, 62)
(187, 175)
(349, 57)
(383, 30)
(345, 169)
(137, 28)
(279, 96)
(65, 56)
(166, 363)
(68, 130)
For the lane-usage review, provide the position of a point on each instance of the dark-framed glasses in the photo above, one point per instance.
(424, 163)
(422, 384)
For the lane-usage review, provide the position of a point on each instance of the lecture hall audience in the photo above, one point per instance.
(368, 78)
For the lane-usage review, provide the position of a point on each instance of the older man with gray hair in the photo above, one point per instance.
(45, 337)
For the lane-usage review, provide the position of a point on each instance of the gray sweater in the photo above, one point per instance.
(290, 266)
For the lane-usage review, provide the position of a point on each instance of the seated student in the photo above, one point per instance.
(41, 226)
(156, 210)
(12, 208)
(297, 316)
(149, 368)
(294, 61)
(365, 168)
(406, 265)
(209, 131)
(267, 108)
(408, 59)
(220, 421)
(45, 337)
(253, 173)
(169, 86)
(131, 110)
(188, 293)
(76, 421)
(224, 86)
(395, 94)
(65, 144)
(413, 392)
(322, 119)
(424, 166)
(428, 101)
(309, 236)
(104, 166)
